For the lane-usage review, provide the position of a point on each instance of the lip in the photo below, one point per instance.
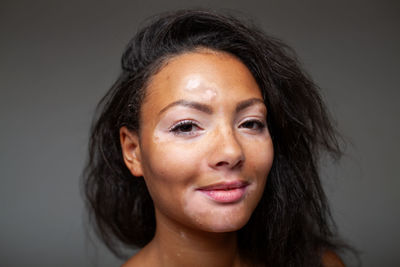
(225, 192)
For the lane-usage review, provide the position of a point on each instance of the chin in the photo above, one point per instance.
(225, 224)
(226, 228)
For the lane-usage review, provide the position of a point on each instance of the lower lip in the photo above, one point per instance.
(225, 196)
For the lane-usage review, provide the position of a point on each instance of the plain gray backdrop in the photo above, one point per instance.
(57, 58)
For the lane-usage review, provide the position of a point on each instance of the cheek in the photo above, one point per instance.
(170, 170)
(260, 156)
(173, 163)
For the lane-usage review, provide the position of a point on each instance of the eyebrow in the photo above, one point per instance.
(247, 103)
(191, 104)
(207, 109)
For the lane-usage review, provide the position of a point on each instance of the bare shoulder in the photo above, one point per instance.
(331, 259)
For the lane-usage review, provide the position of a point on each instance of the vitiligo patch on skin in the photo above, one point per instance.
(204, 90)
(218, 217)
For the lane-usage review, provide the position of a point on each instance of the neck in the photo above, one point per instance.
(177, 245)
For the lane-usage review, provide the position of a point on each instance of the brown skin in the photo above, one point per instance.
(221, 136)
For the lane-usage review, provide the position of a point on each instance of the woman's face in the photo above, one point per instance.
(204, 148)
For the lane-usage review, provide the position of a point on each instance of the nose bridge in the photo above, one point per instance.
(227, 150)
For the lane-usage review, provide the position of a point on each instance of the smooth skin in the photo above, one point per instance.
(203, 123)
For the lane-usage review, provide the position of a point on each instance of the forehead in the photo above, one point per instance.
(204, 76)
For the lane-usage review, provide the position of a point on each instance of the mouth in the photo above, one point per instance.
(225, 192)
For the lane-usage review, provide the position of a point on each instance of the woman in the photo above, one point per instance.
(206, 150)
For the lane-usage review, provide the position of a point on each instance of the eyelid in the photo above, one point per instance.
(252, 120)
(194, 131)
(262, 124)
(183, 122)
(261, 119)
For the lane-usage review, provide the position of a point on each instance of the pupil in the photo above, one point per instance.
(250, 124)
(186, 127)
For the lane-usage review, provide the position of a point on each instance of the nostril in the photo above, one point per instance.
(238, 163)
(232, 165)
(222, 163)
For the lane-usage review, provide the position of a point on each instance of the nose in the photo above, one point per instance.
(227, 152)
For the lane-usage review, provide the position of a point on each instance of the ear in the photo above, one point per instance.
(131, 151)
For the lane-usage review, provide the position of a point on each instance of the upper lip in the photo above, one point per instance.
(224, 185)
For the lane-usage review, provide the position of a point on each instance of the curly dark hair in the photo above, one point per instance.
(292, 224)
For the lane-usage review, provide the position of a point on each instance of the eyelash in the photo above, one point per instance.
(179, 128)
(259, 125)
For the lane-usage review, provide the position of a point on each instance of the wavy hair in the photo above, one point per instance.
(292, 224)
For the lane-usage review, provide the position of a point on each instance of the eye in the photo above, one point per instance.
(255, 125)
(186, 127)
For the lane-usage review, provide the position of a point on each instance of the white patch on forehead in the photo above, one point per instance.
(193, 83)
(210, 94)
(205, 90)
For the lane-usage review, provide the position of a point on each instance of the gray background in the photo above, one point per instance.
(57, 58)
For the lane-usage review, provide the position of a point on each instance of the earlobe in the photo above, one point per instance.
(131, 151)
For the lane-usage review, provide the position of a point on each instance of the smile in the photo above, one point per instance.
(229, 192)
